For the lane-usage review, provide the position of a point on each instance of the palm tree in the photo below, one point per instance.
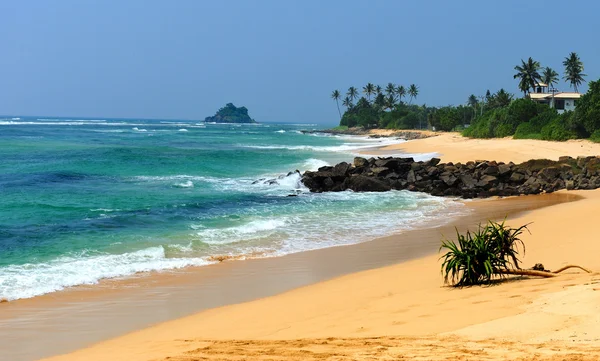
(347, 102)
(390, 101)
(528, 74)
(401, 91)
(378, 89)
(472, 102)
(502, 98)
(390, 89)
(574, 70)
(335, 95)
(369, 89)
(352, 93)
(413, 91)
(550, 77)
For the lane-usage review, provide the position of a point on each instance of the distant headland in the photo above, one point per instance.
(231, 114)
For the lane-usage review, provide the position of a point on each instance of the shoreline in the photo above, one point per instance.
(135, 303)
(305, 268)
(404, 301)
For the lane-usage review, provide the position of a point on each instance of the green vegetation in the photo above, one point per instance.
(526, 119)
(383, 107)
(573, 70)
(493, 115)
(231, 114)
(491, 251)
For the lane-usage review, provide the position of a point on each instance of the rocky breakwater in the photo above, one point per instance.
(476, 179)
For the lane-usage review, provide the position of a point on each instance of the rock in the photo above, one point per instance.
(448, 178)
(549, 173)
(411, 178)
(360, 162)
(381, 171)
(504, 169)
(469, 180)
(517, 177)
(491, 170)
(433, 162)
(341, 169)
(487, 181)
(366, 184)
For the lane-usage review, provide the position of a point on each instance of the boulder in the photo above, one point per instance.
(360, 162)
(366, 184)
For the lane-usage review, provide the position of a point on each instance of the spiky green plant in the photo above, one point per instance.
(476, 257)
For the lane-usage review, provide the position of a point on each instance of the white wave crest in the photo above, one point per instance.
(254, 229)
(313, 164)
(280, 131)
(187, 184)
(29, 280)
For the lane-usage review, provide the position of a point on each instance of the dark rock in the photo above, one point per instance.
(366, 184)
(487, 181)
(360, 162)
(504, 169)
(491, 170)
(410, 177)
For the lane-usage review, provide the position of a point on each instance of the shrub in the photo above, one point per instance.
(595, 137)
(527, 131)
(476, 257)
(557, 130)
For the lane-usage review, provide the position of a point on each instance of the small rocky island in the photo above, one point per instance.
(476, 179)
(231, 114)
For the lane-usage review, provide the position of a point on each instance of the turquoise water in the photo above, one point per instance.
(87, 199)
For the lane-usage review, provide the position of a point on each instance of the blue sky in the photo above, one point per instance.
(281, 59)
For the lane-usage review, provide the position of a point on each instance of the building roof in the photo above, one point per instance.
(539, 83)
(567, 95)
(562, 95)
(539, 96)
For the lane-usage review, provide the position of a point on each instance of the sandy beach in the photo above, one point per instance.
(403, 311)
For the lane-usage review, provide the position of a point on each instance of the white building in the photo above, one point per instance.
(561, 101)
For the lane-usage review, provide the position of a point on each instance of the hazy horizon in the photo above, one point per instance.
(184, 60)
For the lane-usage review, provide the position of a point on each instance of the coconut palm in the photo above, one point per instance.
(390, 101)
(390, 89)
(347, 102)
(528, 74)
(335, 95)
(472, 102)
(413, 91)
(401, 91)
(369, 90)
(550, 77)
(352, 93)
(574, 71)
(378, 89)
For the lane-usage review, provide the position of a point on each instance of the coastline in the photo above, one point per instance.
(70, 317)
(403, 307)
(320, 264)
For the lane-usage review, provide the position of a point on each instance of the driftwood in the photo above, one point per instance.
(547, 274)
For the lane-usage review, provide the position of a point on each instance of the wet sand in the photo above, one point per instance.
(65, 321)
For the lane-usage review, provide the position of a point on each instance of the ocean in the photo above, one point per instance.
(82, 200)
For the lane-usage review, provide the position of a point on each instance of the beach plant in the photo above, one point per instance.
(490, 252)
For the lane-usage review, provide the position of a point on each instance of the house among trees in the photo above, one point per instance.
(561, 101)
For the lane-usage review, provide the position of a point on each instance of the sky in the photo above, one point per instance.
(184, 59)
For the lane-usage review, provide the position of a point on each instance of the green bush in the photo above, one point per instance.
(527, 131)
(587, 113)
(595, 137)
(557, 130)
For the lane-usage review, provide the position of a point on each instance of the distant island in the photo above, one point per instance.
(231, 114)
